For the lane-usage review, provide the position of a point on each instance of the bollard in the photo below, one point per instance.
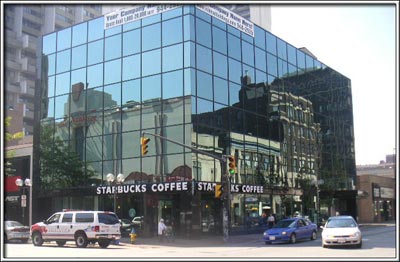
(133, 236)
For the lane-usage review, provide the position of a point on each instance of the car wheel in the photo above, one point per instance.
(293, 238)
(314, 235)
(81, 240)
(61, 243)
(103, 243)
(37, 239)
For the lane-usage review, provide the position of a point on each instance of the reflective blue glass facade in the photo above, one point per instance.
(186, 75)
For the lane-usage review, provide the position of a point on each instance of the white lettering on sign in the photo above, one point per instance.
(205, 186)
(229, 17)
(128, 15)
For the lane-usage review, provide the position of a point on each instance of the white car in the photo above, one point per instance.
(14, 230)
(79, 226)
(340, 231)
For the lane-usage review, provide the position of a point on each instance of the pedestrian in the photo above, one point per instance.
(271, 221)
(161, 230)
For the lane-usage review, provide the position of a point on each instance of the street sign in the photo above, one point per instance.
(23, 202)
(23, 196)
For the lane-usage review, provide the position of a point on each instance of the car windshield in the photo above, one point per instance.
(284, 224)
(13, 224)
(340, 223)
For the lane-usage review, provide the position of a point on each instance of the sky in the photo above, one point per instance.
(358, 41)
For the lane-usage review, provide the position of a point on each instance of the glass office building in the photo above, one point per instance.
(202, 83)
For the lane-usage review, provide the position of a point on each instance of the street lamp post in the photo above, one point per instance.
(23, 184)
(111, 179)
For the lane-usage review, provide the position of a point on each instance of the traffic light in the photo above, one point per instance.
(144, 141)
(218, 191)
(232, 165)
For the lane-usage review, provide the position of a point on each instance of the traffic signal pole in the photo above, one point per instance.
(225, 181)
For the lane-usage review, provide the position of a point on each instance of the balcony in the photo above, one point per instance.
(26, 90)
(28, 43)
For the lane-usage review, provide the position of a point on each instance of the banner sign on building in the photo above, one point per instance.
(229, 17)
(128, 15)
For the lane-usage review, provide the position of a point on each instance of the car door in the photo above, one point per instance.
(301, 229)
(66, 227)
(52, 225)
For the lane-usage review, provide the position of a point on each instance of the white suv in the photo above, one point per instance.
(79, 226)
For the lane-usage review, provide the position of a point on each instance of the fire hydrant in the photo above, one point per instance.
(133, 236)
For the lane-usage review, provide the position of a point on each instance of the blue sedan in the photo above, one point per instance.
(290, 230)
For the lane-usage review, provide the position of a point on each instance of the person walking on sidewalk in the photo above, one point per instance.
(271, 221)
(161, 230)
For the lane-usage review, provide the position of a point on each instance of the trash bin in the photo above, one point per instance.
(133, 236)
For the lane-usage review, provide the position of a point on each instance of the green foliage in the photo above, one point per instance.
(60, 165)
(8, 170)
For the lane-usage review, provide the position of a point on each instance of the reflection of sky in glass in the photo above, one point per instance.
(49, 43)
(131, 67)
(172, 58)
(112, 71)
(151, 87)
(63, 61)
(151, 62)
(173, 84)
(64, 39)
(112, 47)
(62, 83)
(79, 34)
(61, 104)
(131, 91)
(131, 42)
(115, 92)
(95, 75)
(96, 29)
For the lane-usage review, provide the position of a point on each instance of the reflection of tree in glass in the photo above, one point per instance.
(60, 165)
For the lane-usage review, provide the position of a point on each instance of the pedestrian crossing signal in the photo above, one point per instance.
(143, 142)
(218, 191)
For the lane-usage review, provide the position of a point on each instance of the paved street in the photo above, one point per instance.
(379, 242)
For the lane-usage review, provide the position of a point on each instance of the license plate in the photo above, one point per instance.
(271, 238)
(341, 240)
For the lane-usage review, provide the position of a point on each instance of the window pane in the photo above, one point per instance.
(189, 57)
(203, 33)
(220, 65)
(247, 53)
(204, 85)
(234, 93)
(282, 49)
(151, 19)
(260, 60)
(292, 55)
(78, 57)
(62, 83)
(51, 64)
(271, 43)
(172, 84)
(95, 52)
(79, 34)
(151, 62)
(151, 87)
(301, 60)
(112, 71)
(78, 76)
(96, 29)
(219, 40)
(131, 42)
(172, 57)
(50, 86)
(131, 92)
(235, 71)
(114, 92)
(151, 37)
(172, 32)
(204, 59)
(94, 148)
(282, 68)
(61, 103)
(112, 31)
(259, 37)
(131, 67)
(188, 28)
(63, 61)
(49, 43)
(272, 65)
(112, 47)
(234, 49)
(220, 90)
(95, 75)
(64, 39)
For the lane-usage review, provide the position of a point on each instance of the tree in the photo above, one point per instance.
(60, 165)
(8, 170)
